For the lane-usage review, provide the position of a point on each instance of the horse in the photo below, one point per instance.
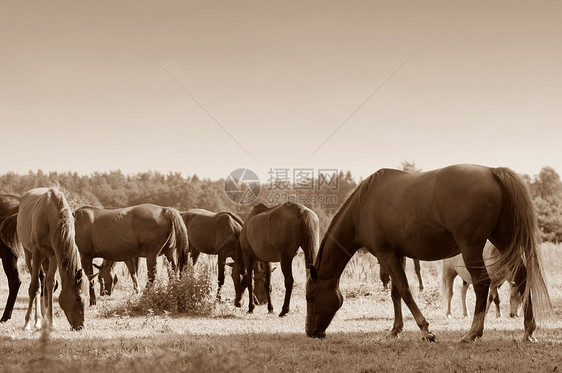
(214, 234)
(385, 276)
(431, 216)
(122, 234)
(455, 266)
(108, 279)
(44, 226)
(275, 234)
(9, 205)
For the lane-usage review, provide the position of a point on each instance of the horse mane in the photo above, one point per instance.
(355, 195)
(235, 217)
(68, 252)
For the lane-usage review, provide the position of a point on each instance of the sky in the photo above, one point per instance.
(208, 87)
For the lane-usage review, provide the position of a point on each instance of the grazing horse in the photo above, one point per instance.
(213, 234)
(385, 276)
(9, 205)
(453, 267)
(430, 216)
(275, 234)
(108, 279)
(44, 226)
(126, 233)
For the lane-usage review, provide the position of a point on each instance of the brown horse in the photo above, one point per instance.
(430, 216)
(126, 233)
(108, 279)
(45, 228)
(274, 235)
(9, 205)
(385, 276)
(213, 234)
(453, 267)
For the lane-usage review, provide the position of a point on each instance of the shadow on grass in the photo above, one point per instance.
(248, 352)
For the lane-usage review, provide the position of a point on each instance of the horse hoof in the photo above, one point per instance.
(237, 304)
(529, 339)
(429, 337)
(283, 313)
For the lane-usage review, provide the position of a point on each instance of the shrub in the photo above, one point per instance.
(190, 294)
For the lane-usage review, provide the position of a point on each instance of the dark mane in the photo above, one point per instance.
(356, 194)
(235, 217)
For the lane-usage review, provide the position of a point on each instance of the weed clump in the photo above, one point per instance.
(190, 294)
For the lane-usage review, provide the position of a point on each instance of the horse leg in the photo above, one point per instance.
(287, 268)
(249, 263)
(34, 267)
(10, 264)
(400, 280)
(133, 266)
(194, 253)
(464, 289)
(448, 279)
(89, 270)
(49, 288)
(151, 268)
(384, 276)
(417, 268)
(397, 305)
(220, 263)
(494, 297)
(528, 319)
(169, 254)
(481, 282)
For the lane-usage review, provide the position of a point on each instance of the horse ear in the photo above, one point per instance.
(313, 273)
(115, 278)
(91, 277)
(78, 276)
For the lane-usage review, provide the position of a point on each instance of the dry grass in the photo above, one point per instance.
(232, 340)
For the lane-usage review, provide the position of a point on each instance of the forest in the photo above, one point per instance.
(116, 189)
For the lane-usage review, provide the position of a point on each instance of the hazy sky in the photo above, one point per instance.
(96, 86)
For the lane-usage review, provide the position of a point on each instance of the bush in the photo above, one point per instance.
(190, 294)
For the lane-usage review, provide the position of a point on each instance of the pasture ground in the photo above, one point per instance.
(232, 340)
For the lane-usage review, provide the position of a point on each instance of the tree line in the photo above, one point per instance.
(115, 189)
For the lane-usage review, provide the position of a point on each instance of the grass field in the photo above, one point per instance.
(232, 340)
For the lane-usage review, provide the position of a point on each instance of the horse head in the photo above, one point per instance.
(73, 300)
(514, 299)
(257, 209)
(323, 300)
(107, 279)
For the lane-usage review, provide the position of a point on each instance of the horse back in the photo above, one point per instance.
(210, 232)
(424, 215)
(38, 219)
(275, 230)
(120, 234)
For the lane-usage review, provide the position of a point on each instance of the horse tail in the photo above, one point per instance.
(523, 250)
(310, 236)
(178, 235)
(9, 234)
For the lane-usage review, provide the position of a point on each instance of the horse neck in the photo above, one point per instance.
(338, 246)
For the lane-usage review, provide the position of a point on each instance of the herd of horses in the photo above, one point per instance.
(479, 219)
